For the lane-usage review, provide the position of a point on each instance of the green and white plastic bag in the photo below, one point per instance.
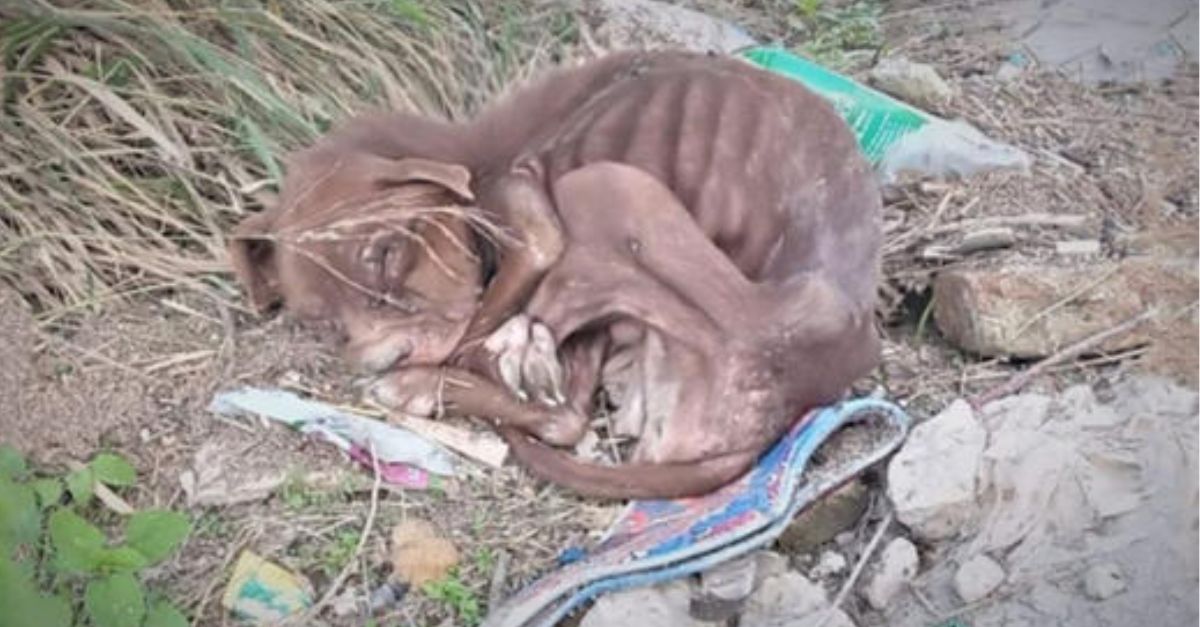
(894, 136)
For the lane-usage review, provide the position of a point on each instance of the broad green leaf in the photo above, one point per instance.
(78, 545)
(23, 604)
(113, 470)
(12, 463)
(155, 533)
(115, 601)
(120, 559)
(49, 491)
(81, 483)
(163, 614)
(19, 517)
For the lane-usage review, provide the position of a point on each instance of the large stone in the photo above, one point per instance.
(654, 24)
(821, 522)
(897, 566)
(932, 480)
(1090, 496)
(915, 83)
(790, 600)
(1033, 311)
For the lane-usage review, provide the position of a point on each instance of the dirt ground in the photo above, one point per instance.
(137, 377)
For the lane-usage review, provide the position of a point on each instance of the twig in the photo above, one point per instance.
(1090, 362)
(1021, 379)
(923, 600)
(858, 569)
(1032, 219)
(499, 573)
(102, 358)
(1064, 301)
(307, 617)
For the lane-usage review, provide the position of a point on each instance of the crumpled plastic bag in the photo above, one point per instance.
(403, 455)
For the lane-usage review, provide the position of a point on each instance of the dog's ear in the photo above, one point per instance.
(453, 177)
(252, 256)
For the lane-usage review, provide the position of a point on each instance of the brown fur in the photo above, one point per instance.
(718, 209)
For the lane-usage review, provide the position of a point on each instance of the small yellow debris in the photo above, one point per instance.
(419, 553)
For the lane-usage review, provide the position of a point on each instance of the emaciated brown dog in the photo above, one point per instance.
(698, 232)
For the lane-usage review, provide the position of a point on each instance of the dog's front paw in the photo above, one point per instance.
(409, 391)
(503, 352)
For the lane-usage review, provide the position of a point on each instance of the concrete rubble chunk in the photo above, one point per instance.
(658, 606)
(723, 589)
(830, 563)
(791, 600)
(932, 480)
(916, 83)
(1089, 494)
(654, 24)
(768, 564)
(897, 566)
(1104, 581)
(1034, 311)
(977, 578)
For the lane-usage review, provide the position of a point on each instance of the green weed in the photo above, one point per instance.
(452, 592)
(50, 550)
(832, 35)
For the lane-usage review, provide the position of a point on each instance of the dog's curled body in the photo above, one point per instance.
(719, 206)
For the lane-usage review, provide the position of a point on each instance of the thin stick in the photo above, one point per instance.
(307, 617)
(1031, 219)
(858, 569)
(924, 600)
(1021, 379)
(499, 573)
(1063, 302)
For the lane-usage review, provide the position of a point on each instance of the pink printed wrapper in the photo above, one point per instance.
(400, 475)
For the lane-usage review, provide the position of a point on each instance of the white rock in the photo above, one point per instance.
(1104, 581)
(654, 24)
(977, 578)
(659, 606)
(915, 83)
(768, 564)
(932, 479)
(790, 600)
(830, 563)
(730, 581)
(897, 566)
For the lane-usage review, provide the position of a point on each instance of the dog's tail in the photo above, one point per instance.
(627, 481)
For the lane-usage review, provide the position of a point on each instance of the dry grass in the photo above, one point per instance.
(132, 134)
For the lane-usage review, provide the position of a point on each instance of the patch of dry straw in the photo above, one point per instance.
(133, 134)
